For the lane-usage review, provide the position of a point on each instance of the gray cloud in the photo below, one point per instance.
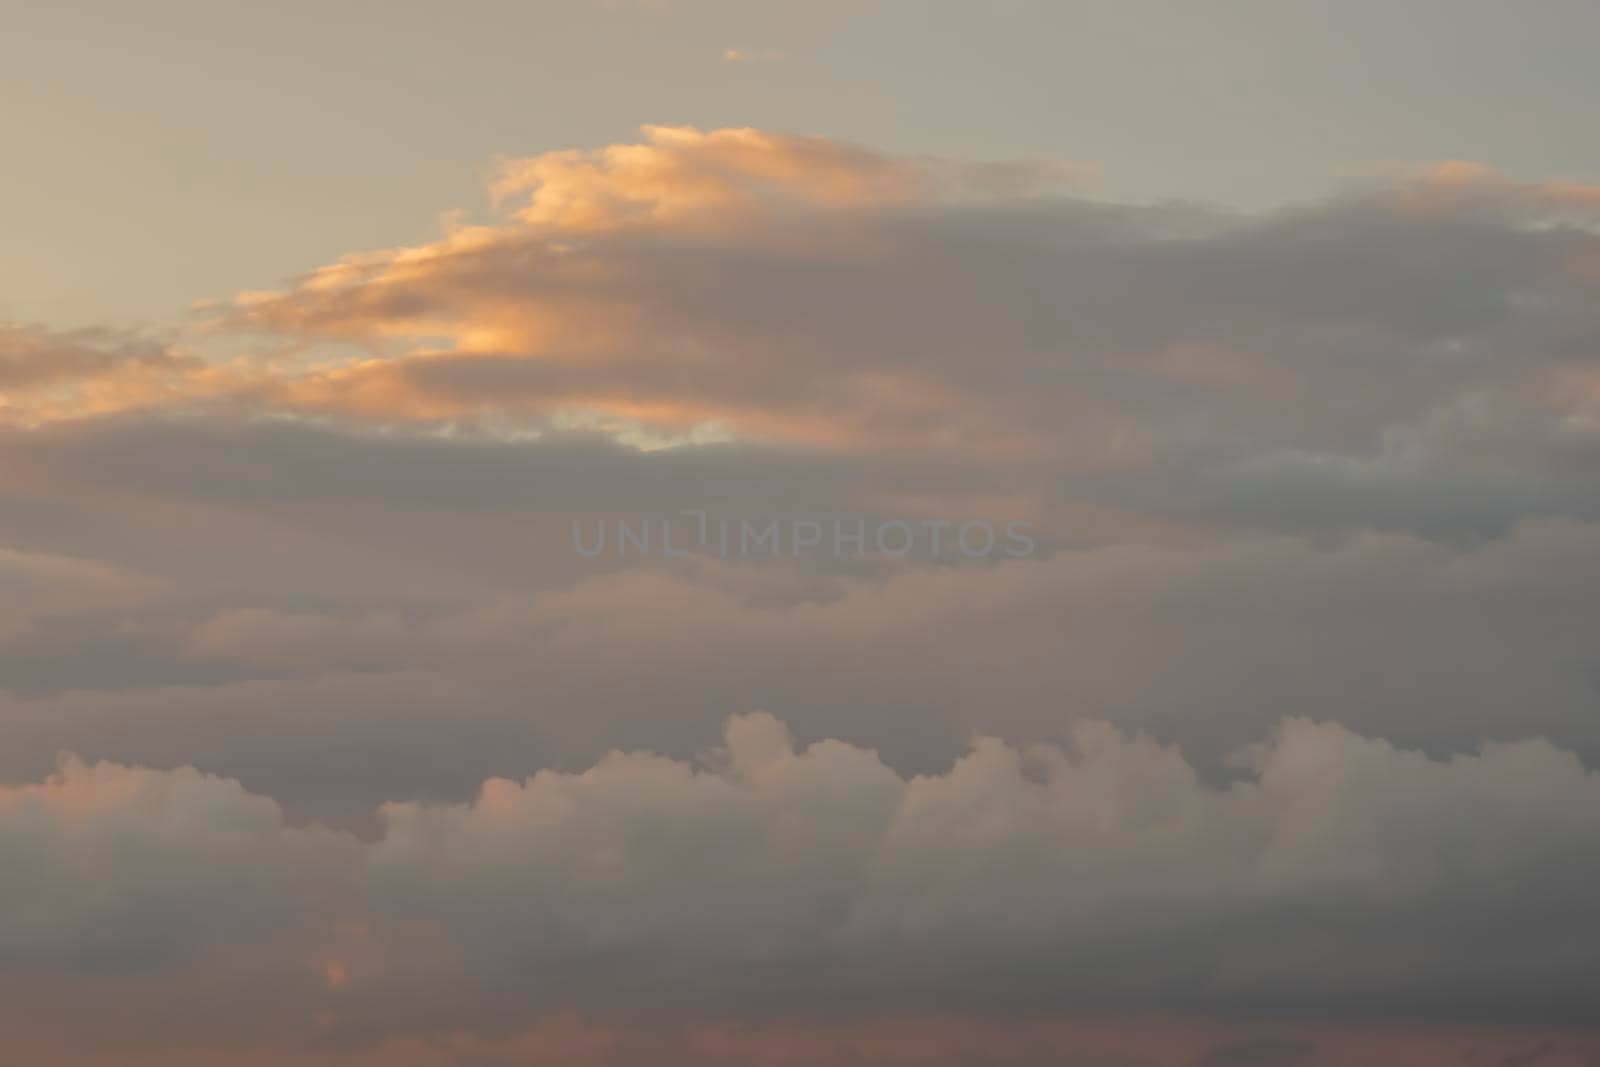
(1337, 876)
(120, 869)
(351, 618)
(1406, 349)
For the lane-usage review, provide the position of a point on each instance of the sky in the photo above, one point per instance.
(161, 153)
(650, 533)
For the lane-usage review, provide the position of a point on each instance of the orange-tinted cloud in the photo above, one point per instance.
(46, 375)
(681, 174)
(795, 289)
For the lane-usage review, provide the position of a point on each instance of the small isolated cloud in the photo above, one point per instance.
(751, 55)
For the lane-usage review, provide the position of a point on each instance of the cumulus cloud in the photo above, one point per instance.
(127, 869)
(1334, 876)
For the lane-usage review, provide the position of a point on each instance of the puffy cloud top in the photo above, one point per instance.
(1335, 872)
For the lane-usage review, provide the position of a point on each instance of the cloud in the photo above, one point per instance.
(1411, 356)
(682, 175)
(339, 617)
(1383, 349)
(121, 869)
(763, 884)
(1456, 184)
(751, 55)
(47, 375)
(1300, 479)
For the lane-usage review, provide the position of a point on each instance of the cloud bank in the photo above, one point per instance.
(1334, 876)
(1282, 732)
